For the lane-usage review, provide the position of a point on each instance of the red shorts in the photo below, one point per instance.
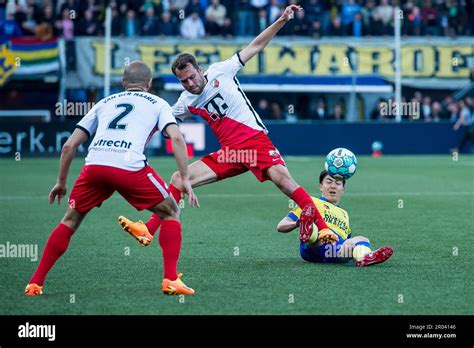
(256, 154)
(142, 188)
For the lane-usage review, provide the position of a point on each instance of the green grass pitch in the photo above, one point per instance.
(422, 206)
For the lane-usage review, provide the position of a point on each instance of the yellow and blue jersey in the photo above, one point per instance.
(335, 217)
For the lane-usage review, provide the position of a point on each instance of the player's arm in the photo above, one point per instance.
(68, 152)
(262, 40)
(181, 154)
(287, 225)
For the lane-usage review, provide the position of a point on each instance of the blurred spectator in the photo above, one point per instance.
(348, 12)
(316, 30)
(65, 26)
(320, 111)
(464, 120)
(411, 19)
(337, 112)
(215, 15)
(300, 24)
(315, 11)
(384, 13)
(195, 6)
(131, 25)
(246, 16)
(357, 27)
(377, 113)
(426, 111)
(335, 28)
(167, 26)
(29, 24)
(262, 20)
(9, 28)
(436, 111)
(275, 10)
(276, 112)
(71, 6)
(192, 27)
(88, 26)
(46, 27)
(263, 109)
(150, 23)
(3, 6)
(116, 21)
(429, 18)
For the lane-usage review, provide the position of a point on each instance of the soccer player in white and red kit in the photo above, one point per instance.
(217, 97)
(123, 123)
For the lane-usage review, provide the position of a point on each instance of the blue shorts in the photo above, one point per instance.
(324, 253)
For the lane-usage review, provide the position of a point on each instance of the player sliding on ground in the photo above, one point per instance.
(217, 97)
(337, 245)
(123, 123)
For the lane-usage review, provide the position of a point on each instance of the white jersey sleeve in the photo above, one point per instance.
(180, 109)
(90, 121)
(165, 119)
(229, 67)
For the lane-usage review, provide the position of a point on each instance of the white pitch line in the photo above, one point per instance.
(252, 195)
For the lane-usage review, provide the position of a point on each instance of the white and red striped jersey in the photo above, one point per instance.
(223, 104)
(123, 124)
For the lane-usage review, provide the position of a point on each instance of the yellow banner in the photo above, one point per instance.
(442, 59)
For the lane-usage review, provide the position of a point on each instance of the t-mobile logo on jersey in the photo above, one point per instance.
(216, 107)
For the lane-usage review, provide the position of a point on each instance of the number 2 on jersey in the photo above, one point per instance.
(114, 124)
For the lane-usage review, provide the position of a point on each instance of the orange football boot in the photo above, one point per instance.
(137, 230)
(33, 289)
(176, 287)
(327, 236)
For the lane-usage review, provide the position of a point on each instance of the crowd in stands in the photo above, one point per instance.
(417, 108)
(193, 19)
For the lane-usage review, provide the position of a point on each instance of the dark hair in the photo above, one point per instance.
(325, 173)
(182, 60)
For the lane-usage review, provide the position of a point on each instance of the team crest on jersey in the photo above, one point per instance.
(215, 83)
(325, 207)
(273, 153)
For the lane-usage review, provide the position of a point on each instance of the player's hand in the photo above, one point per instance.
(188, 189)
(58, 190)
(288, 14)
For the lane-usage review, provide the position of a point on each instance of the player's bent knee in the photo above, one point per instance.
(73, 218)
(176, 179)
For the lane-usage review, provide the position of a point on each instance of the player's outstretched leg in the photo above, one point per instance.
(309, 214)
(144, 232)
(56, 245)
(137, 230)
(378, 256)
(170, 243)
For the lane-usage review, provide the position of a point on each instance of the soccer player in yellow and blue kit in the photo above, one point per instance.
(340, 246)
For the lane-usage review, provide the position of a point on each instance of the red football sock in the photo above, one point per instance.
(170, 242)
(154, 222)
(302, 198)
(175, 192)
(55, 246)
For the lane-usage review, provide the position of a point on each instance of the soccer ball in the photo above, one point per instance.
(341, 163)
